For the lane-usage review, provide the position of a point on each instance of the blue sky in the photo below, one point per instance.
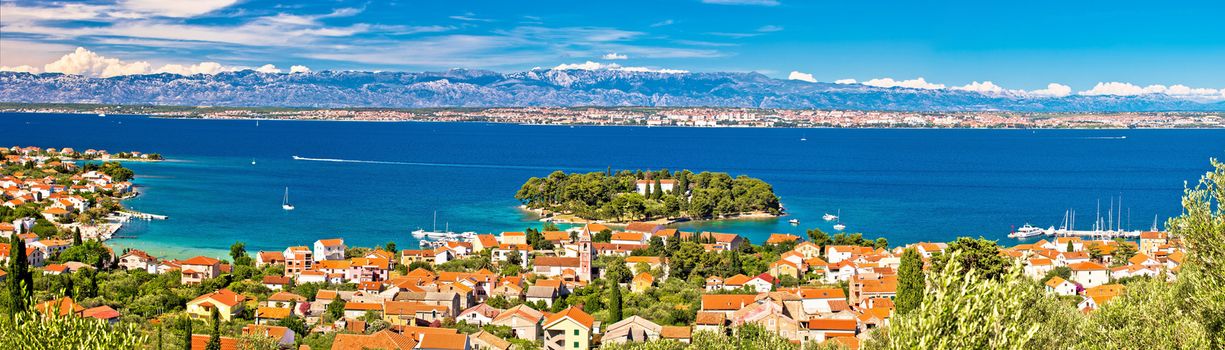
(1019, 45)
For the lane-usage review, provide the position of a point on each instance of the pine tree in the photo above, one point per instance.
(214, 340)
(76, 236)
(20, 280)
(910, 282)
(615, 303)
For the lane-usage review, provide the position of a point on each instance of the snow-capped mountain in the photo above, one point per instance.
(541, 87)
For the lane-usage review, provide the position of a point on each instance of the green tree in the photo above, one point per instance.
(1201, 280)
(1070, 247)
(614, 301)
(214, 339)
(657, 191)
(76, 235)
(910, 282)
(1125, 252)
(20, 280)
(882, 243)
(390, 247)
(186, 333)
(90, 252)
(336, 309)
(980, 255)
(238, 252)
(818, 237)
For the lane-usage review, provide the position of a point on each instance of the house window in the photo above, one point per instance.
(576, 345)
(575, 332)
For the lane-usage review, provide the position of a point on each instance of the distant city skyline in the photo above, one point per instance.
(1045, 48)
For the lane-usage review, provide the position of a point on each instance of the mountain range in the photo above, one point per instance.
(540, 87)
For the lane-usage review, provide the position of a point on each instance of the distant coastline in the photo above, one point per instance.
(703, 117)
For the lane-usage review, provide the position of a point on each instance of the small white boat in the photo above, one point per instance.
(285, 204)
(252, 161)
(794, 221)
(839, 226)
(829, 217)
(102, 115)
(1026, 231)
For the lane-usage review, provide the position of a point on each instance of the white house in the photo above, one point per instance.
(1060, 286)
(666, 185)
(329, 249)
(762, 283)
(1090, 274)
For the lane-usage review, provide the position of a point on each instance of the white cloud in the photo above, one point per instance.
(268, 68)
(917, 83)
(614, 56)
(88, 63)
(743, 2)
(797, 75)
(299, 69)
(589, 65)
(1052, 90)
(845, 81)
(199, 68)
(21, 68)
(1115, 88)
(986, 87)
(165, 8)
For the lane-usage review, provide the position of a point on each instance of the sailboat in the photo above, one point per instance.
(285, 204)
(839, 226)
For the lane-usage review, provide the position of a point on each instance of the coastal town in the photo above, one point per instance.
(581, 287)
(673, 116)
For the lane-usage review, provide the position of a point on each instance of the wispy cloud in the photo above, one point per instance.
(470, 17)
(666, 22)
(614, 56)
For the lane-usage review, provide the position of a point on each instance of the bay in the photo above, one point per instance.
(373, 182)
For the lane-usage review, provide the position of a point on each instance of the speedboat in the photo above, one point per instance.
(829, 217)
(794, 221)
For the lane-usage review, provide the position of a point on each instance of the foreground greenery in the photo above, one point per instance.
(608, 196)
(28, 330)
(967, 307)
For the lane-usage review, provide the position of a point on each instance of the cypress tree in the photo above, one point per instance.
(186, 333)
(910, 282)
(76, 236)
(1071, 247)
(615, 303)
(159, 336)
(647, 194)
(214, 340)
(20, 280)
(658, 191)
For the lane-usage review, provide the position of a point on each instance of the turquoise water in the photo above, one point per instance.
(388, 178)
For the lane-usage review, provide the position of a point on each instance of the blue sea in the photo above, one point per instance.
(377, 181)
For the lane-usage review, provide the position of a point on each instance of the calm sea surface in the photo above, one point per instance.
(383, 180)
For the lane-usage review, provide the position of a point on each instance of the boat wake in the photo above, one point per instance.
(452, 165)
(1101, 138)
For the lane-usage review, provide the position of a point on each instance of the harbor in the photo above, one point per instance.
(1110, 226)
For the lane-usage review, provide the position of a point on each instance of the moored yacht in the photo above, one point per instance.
(1026, 231)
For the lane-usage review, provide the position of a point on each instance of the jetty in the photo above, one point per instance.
(126, 215)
